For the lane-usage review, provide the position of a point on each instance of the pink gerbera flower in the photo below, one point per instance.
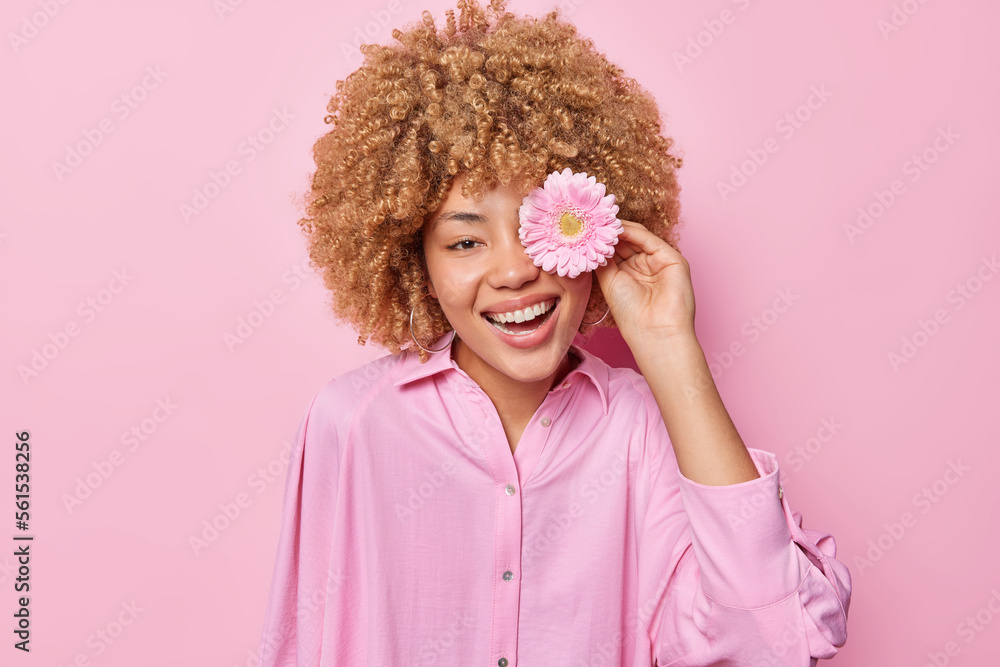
(568, 225)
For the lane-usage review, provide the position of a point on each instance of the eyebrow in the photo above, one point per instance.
(459, 216)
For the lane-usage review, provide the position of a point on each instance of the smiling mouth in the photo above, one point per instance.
(525, 327)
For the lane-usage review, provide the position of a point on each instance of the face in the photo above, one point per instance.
(477, 266)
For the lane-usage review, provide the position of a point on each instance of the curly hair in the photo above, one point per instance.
(509, 102)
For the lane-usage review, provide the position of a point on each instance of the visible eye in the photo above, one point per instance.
(454, 246)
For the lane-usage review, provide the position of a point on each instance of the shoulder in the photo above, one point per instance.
(631, 394)
(627, 389)
(338, 402)
(629, 385)
(631, 407)
(633, 421)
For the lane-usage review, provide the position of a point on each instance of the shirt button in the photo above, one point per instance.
(565, 384)
(780, 492)
(502, 662)
(508, 575)
(510, 489)
(546, 421)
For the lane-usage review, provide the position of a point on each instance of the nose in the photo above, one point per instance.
(512, 267)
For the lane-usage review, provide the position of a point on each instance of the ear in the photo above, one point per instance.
(428, 283)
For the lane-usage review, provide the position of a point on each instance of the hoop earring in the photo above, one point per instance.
(600, 320)
(453, 332)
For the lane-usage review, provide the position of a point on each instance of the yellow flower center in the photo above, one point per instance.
(569, 224)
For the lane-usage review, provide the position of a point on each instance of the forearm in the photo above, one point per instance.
(708, 447)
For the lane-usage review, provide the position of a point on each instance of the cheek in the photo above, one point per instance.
(581, 288)
(456, 288)
(430, 272)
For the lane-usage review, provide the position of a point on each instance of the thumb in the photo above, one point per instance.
(606, 274)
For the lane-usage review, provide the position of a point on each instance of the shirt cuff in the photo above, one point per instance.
(741, 537)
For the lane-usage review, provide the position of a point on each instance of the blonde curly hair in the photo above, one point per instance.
(509, 102)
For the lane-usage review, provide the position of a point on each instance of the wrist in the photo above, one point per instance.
(671, 347)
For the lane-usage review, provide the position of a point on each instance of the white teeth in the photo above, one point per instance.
(528, 314)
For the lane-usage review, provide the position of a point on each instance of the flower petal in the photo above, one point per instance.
(541, 215)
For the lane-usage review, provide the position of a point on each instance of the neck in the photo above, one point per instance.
(510, 397)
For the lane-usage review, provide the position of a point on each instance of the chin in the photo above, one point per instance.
(540, 364)
(524, 365)
(532, 374)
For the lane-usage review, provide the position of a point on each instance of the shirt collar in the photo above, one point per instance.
(590, 366)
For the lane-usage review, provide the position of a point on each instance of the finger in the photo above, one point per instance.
(623, 250)
(606, 273)
(639, 239)
(624, 247)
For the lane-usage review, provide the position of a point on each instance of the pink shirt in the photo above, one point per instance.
(411, 535)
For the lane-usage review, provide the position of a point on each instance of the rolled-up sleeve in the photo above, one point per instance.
(732, 578)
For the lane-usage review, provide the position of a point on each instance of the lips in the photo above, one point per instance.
(527, 334)
(518, 304)
(526, 314)
(523, 327)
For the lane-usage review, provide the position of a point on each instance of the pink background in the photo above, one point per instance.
(159, 332)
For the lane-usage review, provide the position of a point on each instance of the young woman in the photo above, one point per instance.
(491, 493)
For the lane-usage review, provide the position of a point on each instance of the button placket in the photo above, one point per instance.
(538, 434)
(506, 591)
(485, 422)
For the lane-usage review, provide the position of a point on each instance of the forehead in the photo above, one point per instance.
(496, 202)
